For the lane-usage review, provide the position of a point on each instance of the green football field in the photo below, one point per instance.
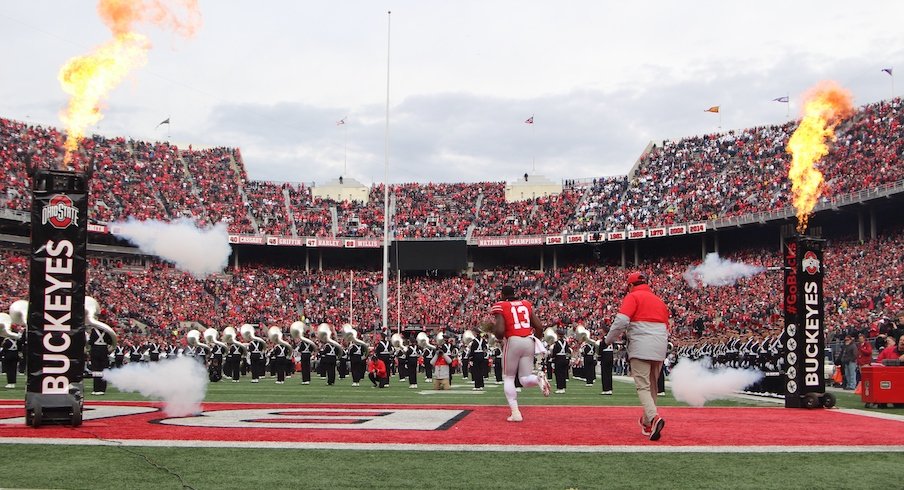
(67, 466)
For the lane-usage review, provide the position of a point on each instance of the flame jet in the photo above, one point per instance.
(825, 106)
(89, 78)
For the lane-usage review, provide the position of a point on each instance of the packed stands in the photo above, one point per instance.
(864, 283)
(692, 179)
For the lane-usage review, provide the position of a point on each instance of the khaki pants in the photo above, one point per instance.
(441, 384)
(646, 378)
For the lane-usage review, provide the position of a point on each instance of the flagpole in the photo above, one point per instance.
(533, 156)
(345, 157)
(386, 184)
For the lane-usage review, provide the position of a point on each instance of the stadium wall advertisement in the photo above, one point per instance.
(56, 314)
(803, 336)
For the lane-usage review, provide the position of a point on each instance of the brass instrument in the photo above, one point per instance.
(275, 335)
(351, 336)
(397, 341)
(423, 341)
(325, 334)
(248, 331)
(549, 335)
(229, 338)
(297, 332)
(18, 312)
(210, 335)
(467, 337)
(583, 335)
(6, 323)
(92, 308)
(193, 338)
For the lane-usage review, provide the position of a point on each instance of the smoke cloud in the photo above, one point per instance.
(696, 382)
(180, 383)
(716, 271)
(200, 252)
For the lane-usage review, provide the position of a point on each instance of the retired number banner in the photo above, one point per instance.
(56, 313)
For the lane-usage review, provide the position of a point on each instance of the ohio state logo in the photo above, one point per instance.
(60, 213)
(810, 263)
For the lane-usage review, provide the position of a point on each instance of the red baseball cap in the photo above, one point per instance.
(636, 278)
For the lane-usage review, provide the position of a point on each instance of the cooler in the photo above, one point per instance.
(882, 384)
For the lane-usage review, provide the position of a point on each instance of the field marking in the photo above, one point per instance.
(875, 415)
(646, 448)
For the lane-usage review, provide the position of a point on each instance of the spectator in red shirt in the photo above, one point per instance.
(376, 371)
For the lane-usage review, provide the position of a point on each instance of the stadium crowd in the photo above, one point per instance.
(864, 286)
(692, 179)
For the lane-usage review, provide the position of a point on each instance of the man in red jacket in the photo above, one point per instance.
(644, 318)
(376, 371)
(864, 353)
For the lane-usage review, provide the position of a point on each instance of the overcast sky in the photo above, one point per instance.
(601, 79)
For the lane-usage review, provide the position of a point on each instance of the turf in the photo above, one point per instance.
(162, 468)
(47, 466)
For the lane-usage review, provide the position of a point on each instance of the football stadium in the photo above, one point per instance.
(723, 307)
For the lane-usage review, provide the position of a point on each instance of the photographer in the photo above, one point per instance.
(441, 361)
(376, 371)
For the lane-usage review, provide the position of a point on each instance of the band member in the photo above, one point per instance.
(280, 357)
(328, 355)
(256, 348)
(465, 361)
(233, 359)
(497, 362)
(134, 353)
(412, 354)
(100, 343)
(119, 355)
(561, 355)
(342, 364)
(10, 356)
(516, 322)
(153, 349)
(427, 354)
(606, 365)
(478, 350)
(215, 368)
(305, 351)
(402, 360)
(383, 350)
(356, 356)
(587, 352)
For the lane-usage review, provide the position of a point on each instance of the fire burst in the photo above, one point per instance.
(825, 106)
(88, 79)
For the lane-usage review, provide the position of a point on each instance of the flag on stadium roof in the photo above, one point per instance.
(887, 70)
(714, 108)
(530, 120)
(165, 121)
(781, 99)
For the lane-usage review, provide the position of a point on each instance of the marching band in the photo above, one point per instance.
(325, 350)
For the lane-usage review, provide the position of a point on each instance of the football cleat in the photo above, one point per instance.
(515, 416)
(544, 385)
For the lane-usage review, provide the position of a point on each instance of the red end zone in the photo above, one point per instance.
(576, 427)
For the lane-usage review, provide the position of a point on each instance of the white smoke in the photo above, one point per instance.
(696, 382)
(200, 252)
(716, 271)
(180, 383)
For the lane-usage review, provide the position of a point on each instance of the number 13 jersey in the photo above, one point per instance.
(516, 315)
